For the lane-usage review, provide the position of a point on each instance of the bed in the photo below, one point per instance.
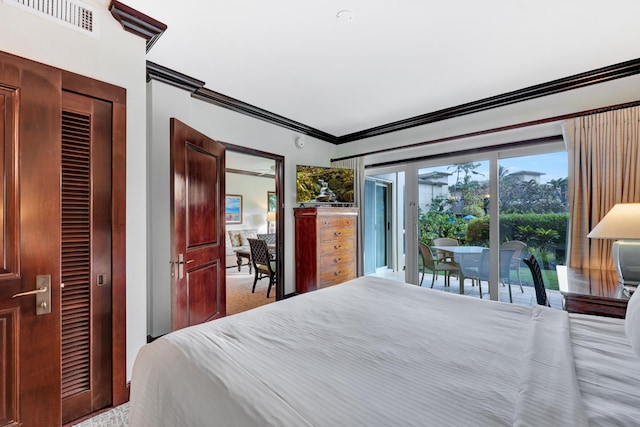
(374, 352)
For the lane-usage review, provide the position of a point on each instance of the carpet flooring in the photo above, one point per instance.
(239, 296)
(116, 417)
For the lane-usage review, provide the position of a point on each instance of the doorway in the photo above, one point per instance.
(252, 179)
(378, 226)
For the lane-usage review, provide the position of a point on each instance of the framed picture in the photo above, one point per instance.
(233, 209)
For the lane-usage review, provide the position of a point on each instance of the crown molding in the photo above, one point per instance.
(600, 75)
(137, 22)
(233, 104)
(172, 77)
(198, 91)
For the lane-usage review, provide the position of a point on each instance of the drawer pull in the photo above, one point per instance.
(336, 260)
(337, 273)
(337, 233)
(337, 246)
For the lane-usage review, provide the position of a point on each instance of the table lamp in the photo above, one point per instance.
(622, 222)
(271, 216)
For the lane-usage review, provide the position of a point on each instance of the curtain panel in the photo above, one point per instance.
(357, 164)
(603, 151)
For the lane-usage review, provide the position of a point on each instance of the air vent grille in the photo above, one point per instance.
(72, 13)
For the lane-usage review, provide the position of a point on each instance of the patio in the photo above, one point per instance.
(526, 298)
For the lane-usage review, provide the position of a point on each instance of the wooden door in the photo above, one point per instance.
(197, 227)
(29, 242)
(86, 255)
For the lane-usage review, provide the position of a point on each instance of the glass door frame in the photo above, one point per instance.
(395, 201)
(411, 199)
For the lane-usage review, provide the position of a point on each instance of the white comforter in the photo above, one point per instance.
(370, 352)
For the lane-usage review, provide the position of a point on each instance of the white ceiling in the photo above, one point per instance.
(393, 60)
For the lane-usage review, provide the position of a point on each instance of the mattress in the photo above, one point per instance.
(373, 352)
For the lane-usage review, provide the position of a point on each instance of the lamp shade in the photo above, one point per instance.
(271, 216)
(621, 222)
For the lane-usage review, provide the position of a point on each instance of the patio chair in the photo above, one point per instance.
(263, 264)
(538, 281)
(477, 266)
(429, 263)
(518, 248)
(444, 256)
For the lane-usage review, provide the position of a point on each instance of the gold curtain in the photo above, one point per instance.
(603, 170)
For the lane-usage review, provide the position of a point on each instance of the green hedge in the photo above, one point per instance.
(512, 226)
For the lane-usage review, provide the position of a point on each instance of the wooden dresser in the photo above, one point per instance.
(325, 246)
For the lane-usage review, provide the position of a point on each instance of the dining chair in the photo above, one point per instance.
(518, 248)
(538, 281)
(429, 263)
(263, 264)
(477, 267)
(270, 238)
(444, 256)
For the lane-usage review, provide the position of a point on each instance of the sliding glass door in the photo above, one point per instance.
(534, 215)
(383, 225)
(494, 208)
(377, 225)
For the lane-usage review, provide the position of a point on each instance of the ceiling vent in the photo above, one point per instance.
(73, 14)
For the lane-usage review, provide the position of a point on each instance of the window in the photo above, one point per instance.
(483, 201)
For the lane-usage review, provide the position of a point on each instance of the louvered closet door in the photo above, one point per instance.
(86, 256)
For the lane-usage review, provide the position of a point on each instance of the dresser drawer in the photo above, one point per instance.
(337, 222)
(338, 245)
(333, 261)
(339, 233)
(333, 277)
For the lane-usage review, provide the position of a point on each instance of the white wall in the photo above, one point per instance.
(225, 126)
(115, 57)
(253, 190)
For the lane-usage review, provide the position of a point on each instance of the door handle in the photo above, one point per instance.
(42, 293)
(181, 262)
(33, 292)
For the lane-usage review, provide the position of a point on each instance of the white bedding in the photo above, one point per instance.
(370, 352)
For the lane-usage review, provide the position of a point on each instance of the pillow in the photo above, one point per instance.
(227, 240)
(632, 322)
(247, 234)
(235, 238)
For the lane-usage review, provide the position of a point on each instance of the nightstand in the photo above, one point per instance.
(591, 291)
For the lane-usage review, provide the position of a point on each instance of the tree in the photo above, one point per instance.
(433, 224)
(518, 196)
(561, 188)
(471, 191)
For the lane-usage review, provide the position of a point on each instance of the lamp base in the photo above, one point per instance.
(626, 259)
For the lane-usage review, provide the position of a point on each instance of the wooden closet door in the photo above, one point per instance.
(29, 242)
(86, 255)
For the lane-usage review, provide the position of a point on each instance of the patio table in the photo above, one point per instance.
(458, 252)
